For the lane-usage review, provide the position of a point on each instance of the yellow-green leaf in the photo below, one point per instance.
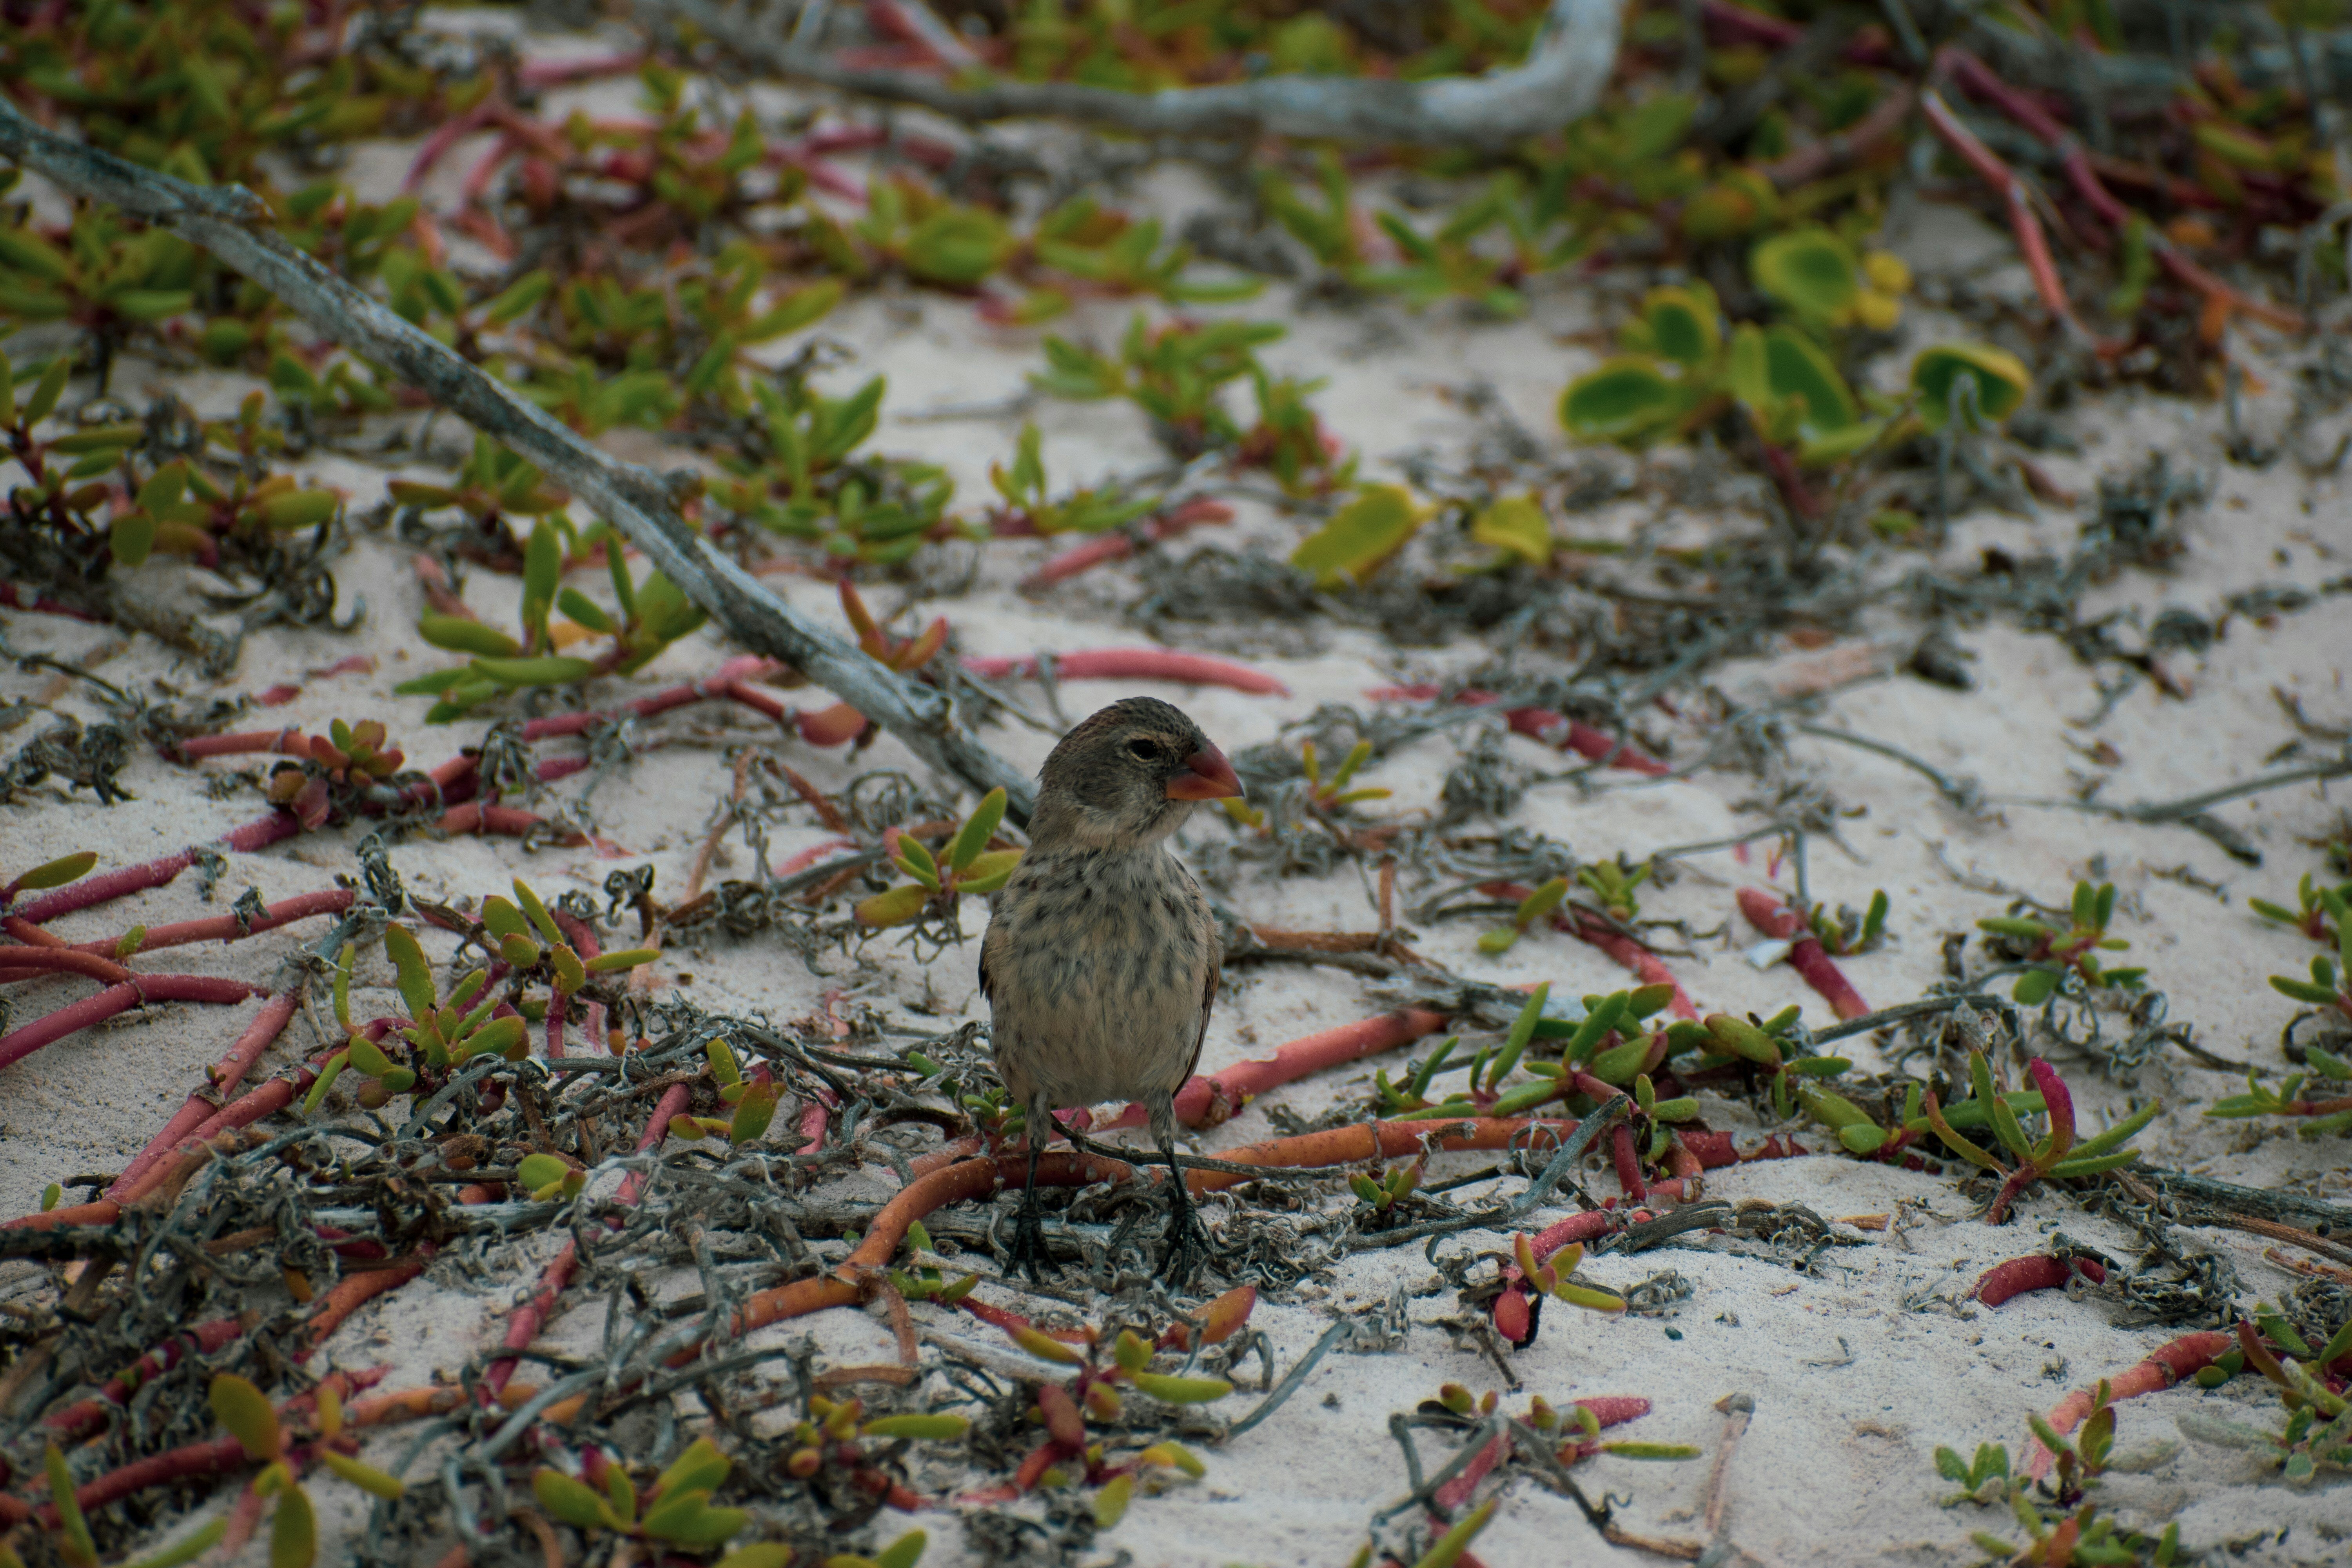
(1361, 536)
(246, 1411)
(1515, 523)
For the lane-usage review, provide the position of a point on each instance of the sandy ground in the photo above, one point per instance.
(1858, 1369)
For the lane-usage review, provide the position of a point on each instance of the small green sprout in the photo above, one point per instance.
(1983, 1479)
(2324, 1117)
(1848, 932)
(1336, 795)
(246, 1412)
(2316, 906)
(1611, 884)
(971, 868)
(2051, 951)
(1176, 374)
(754, 1099)
(1384, 1192)
(677, 1510)
(1538, 905)
(2056, 1156)
(1029, 510)
(928, 1283)
(2330, 985)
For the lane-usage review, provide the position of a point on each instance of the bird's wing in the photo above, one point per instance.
(987, 988)
(1208, 1004)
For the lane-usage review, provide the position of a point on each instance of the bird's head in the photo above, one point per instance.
(1129, 774)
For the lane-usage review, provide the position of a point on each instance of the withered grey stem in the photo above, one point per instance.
(1567, 67)
(1563, 1162)
(1289, 1384)
(1895, 1014)
(234, 225)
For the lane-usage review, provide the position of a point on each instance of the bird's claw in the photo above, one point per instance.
(1027, 1253)
(1188, 1246)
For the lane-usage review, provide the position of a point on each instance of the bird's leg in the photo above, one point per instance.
(1188, 1238)
(1029, 1227)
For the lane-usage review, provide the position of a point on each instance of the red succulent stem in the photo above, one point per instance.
(1553, 729)
(1134, 664)
(1808, 957)
(108, 886)
(1589, 928)
(32, 963)
(353, 1290)
(113, 1000)
(584, 940)
(226, 1073)
(1628, 1161)
(2032, 243)
(1455, 1492)
(194, 1462)
(1207, 1102)
(1714, 1149)
(2040, 1272)
(1980, 80)
(79, 1420)
(2183, 1357)
(1121, 543)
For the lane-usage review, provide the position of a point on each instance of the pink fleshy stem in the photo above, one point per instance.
(1647, 966)
(247, 743)
(524, 1326)
(2183, 1357)
(1209, 1101)
(437, 146)
(2032, 245)
(226, 1073)
(816, 1117)
(228, 927)
(1563, 734)
(563, 73)
(1980, 80)
(2040, 1272)
(584, 940)
(1628, 1161)
(14, 599)
(1118, 544)
(29, 963)
(116, 1000)
(1136, 664)
(127, 879)
(79, 1420)
(750, 667)
(1554, 730)
(1714, 1149)
(1808, 957)
(1455, 1492)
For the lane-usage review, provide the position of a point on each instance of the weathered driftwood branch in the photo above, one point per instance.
(1561, 79)
(234, 225)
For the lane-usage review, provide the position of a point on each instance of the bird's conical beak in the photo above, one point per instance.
(1206, 776)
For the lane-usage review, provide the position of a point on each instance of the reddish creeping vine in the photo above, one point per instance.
(1806, 956)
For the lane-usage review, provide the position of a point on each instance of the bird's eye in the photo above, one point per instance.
(1143, 750)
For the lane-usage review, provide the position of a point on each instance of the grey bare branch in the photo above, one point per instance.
(1561, 79)
(233, 224)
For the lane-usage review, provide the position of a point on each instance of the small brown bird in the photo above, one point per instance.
(1101, 959)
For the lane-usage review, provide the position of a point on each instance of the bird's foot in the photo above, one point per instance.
(1028, 1255)
(1189, 1247)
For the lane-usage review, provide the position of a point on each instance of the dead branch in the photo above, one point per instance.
(1561, 79)
(235, 226)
